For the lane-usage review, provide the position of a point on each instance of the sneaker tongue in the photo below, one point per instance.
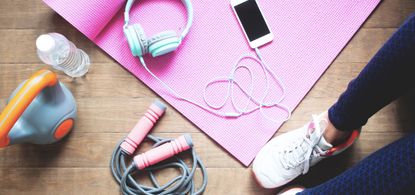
(315, 133)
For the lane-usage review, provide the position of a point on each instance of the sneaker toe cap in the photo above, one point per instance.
(267, 178)
(267, 172)
(267, 169)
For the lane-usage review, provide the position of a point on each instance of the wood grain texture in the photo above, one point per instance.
(110, 101)
(94, 150)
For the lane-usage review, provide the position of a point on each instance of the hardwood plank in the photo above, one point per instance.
(70, 180)
(102, 80)
(56, 181)
(18, 45)
(408, 7)
(388, 14)
(21, 14)
(99, 181)
(364, 44)
(107, 115)
(110, 80)
(94, 150)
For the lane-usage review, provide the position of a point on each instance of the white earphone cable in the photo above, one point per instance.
(261, 104)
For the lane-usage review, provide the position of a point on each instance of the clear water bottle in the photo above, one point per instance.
(54, 49)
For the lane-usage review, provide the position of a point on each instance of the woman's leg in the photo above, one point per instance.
(388, 75)
(390, 170)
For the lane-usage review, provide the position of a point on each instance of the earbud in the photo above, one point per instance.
(143, 126)
(163, 152)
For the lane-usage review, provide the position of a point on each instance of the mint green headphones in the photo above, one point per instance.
(158, 44)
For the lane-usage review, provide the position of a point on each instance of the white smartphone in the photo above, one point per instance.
(252, 22)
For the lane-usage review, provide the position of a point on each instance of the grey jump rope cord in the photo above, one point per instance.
(182, 184)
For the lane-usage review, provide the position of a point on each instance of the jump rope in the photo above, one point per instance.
(147, 162)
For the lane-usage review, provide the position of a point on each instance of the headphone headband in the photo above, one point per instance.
(189, 10)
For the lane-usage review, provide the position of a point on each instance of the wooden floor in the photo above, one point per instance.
(110, 101)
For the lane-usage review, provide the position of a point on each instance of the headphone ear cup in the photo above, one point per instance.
(163, 43)
(141, 36)
(136, 39)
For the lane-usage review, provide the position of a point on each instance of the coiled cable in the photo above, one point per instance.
(182, 184)
(260, 104)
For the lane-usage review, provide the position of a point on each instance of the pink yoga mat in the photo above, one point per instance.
(309, 35)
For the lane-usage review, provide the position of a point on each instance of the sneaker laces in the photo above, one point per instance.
(301, 151)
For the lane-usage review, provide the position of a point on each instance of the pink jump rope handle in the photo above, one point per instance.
(143, 126)
(163, 152)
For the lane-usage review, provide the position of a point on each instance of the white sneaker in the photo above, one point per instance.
(287, 156)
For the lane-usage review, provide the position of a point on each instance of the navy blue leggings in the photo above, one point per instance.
(388, 75)
(390, 170)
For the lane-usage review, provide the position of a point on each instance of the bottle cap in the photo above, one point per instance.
(45, 42)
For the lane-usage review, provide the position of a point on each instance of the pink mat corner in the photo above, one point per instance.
(308, 36)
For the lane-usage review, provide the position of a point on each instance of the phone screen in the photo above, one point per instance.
(252, 20)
